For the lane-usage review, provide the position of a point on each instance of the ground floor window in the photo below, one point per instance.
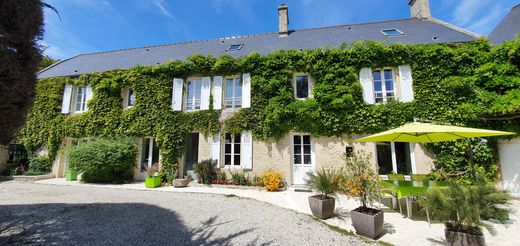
(149, 153)
(394, 157)
(232, 150)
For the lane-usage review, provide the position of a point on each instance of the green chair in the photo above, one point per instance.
(395, 177)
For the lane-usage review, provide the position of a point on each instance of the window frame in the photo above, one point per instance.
(232, 154)
(385, 98)
(150, 153)
(399, 32)
(411, 149)
(127, 97)
(302, 150)
(235, 49)
(224, 92)
(83, 99)
(187, 91)
(309, 85)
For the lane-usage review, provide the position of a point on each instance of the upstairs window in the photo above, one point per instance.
(302, 86)
(232, 150)
(233, 93)
(81, 99)
(383, 85)
(129, 98)
(193, 94)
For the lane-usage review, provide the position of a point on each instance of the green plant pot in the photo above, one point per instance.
(152, 182)
(71, 175)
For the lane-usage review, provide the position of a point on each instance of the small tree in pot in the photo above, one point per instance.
(325, 183)
(462, 209)
(360, 181)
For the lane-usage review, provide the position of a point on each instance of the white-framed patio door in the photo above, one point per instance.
(303, 159)
(149, 156)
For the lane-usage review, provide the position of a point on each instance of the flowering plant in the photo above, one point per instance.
(360, 180)
(272, 180)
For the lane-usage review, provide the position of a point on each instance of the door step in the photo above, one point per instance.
(299, 188)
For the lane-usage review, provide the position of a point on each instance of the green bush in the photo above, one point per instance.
(104, 160)
(324, 181)
(39, 165)
(205, 170)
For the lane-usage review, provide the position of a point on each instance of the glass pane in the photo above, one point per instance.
(155, 152)
(131, 98)
(237, 148)
(302, 86)
(227, 148)
(297, 159)
(238, 93)
(228, 138)
(389, 84)
(237, 160)
(378, 86)
(388, 74)
(307, 149)
(306, 159)
(227, 160)
(384, 158)
(297, 149)
(379, 99)
(377, 75)
(80, 98)
(297, 140)
(229, 93)
(306, 139)
(402, 155)
(145, 153)
(237, 138)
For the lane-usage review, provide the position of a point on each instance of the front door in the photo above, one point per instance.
(302, 158)
(191, 154)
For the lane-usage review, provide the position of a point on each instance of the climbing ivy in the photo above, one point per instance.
(471, 84)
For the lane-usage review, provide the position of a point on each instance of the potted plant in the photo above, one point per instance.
(463, 208)
(360, 181)
(325, 183)
(152, 180)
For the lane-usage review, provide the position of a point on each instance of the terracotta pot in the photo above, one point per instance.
(455, 238)
(323, 209)
(368, 225)
(180, 182)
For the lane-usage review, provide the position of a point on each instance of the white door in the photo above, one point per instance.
(510, 165)
(303, 158)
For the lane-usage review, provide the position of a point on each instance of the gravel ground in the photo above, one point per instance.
(47, 214)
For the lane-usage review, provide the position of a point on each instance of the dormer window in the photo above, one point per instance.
(392, 32)
(235, 47)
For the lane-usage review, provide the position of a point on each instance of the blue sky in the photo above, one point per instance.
(101, 25)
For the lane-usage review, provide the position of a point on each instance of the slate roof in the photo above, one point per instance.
(416, 31)
(508, 28)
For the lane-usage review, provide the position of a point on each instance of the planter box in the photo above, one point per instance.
(463, 239)
(71, 175)
(368, 225)
(323, 209)
(152, 182)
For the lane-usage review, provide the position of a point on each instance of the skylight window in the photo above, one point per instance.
(392, 32)
(235, 47)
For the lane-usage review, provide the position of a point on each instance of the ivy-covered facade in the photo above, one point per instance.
(292, 110)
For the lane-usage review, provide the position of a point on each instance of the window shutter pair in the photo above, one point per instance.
(67, 98)
(205, 92)
(405, 80)
(246, 149)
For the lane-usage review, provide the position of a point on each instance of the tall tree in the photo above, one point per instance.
(21, 27)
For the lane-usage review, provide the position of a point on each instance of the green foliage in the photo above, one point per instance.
(103, 160)
(470, 84)
(238, 178)
(205, 170)
(47, 61)
(360, 180)
(324, 181)
(462, 208)
(168, 172)
(39, 165)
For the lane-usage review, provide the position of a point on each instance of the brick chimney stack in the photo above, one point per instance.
(420, 8)
(283, 20)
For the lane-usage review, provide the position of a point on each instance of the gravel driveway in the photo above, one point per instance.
(47, 214)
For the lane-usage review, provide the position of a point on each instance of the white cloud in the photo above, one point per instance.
(489, 21)
(244, 9)
(479, 16)
(52, 50)
(163, 7)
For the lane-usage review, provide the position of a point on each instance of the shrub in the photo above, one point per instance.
(272, 180)
(239, 178)
(360, 180)
(104, 160)
(38, 165)
(205, 170)
(168, 172)
(221, 177)
(324, 181)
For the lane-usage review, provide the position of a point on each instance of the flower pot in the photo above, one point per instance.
(455, 238)
(180, 182)
(323, 209)
(368, 222)
(71, 175)
(152, 182)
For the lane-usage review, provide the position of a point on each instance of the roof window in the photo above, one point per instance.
(235, 47)
(392, 32)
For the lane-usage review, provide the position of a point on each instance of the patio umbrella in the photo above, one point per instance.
(429, 133)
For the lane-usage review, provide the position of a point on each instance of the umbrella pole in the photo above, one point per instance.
(471, 153)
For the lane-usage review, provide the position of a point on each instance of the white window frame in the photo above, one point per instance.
(232, 165)
(309, 87)
(83, 107)
(302, 149)
(194, 100)
(127, 98)
(383, 84)
(411, 147)
(150, 152)
(234, 98)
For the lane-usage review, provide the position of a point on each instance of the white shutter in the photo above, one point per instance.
(88, 96)
(67, 96)
(246, 90)
(205, 92)
(247, 150)
(215, 148)
(405, 78)
(177, 94)
(217, 92)
(365, 78)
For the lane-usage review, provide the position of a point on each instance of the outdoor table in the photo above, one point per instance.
(409, 189)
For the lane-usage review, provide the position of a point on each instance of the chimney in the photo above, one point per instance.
(283, 20)
(420, 8)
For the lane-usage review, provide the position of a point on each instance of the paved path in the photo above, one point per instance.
(50, 214)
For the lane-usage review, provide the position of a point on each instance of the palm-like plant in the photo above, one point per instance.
(324, 181)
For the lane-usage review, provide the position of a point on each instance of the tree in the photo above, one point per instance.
(47, 61)
(21, 27)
